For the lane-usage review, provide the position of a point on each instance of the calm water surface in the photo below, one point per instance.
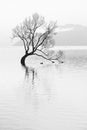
(49, 97)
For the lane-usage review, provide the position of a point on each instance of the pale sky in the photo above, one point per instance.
(12, 12)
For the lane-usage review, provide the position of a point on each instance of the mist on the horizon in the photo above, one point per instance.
(68, 35)
(74, 35)
(64, 12)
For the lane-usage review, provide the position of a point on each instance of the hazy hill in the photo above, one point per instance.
(70, 35)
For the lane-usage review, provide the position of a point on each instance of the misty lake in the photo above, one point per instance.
(48, 97)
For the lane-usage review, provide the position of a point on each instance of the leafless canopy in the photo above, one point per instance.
(35, 34)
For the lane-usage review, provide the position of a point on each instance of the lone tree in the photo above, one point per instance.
(37, 37)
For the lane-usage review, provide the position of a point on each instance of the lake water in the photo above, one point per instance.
(48, 97)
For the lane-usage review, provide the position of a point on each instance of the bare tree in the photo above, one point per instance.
(37, 37)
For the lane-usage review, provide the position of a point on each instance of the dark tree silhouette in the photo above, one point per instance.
(37, 37)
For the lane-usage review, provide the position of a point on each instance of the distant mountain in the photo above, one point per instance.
(72, 35)
(69, 35)
(18, 43)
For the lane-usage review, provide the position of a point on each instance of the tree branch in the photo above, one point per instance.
(39, 40)
(42, 42)
(42, 56)
(22, 40)
(50, 59)
(42, 52)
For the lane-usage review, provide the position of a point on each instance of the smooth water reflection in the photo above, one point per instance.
(52, 96)
(30, 74)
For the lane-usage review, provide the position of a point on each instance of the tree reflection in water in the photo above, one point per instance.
(38, 87)
(30, 75)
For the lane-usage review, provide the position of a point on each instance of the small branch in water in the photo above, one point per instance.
(50, 59)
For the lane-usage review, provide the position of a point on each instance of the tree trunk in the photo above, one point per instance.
(24, 57)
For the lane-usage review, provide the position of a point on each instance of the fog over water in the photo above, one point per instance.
(43, 97)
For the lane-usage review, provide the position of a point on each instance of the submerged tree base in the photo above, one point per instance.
(23, 59)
